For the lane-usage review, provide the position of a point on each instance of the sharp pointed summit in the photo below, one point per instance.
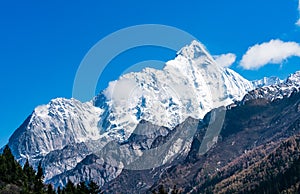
(189, 86)
(195, 50)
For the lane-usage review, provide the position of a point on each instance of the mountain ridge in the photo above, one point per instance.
(270, 125)
(66, 134)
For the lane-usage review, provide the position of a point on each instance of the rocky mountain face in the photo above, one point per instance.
(54, 134)
(257, 150)
(153, 126)
(189, 86)
(258, 135)
(65, 132)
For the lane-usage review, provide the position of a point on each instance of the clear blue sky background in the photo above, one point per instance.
(43, 42)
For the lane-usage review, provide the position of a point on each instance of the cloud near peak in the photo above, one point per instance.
(274, 51)
(225, 60)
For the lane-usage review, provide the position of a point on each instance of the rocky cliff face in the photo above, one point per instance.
(149, 121)
(66, 133)
(256, 150)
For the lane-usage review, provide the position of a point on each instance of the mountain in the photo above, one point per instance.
(257, 152)
(277, 91)
(266, 81)
(66, 132)
(189, 86)
(145, 123)
(53, 126)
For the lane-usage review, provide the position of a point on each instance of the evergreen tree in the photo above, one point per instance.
(59, 191)
(39, 179)
(29, 178)
(70, 188)
(50, 189)
(20, 180)
(82, 188)
(94, 188)
(11, 169)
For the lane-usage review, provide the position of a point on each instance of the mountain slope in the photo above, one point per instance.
(267, 81)
(53, 126)
(64, 132)
(274, 172)
(189, 86)
(277, 91)
(251, 134)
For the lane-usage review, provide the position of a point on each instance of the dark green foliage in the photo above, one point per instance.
(39, 179)
(82, 188)
(50, 189)
(29, 177)
(93, 188)
(70, 188)
(10, 169)
(59, 191)
(14, 179)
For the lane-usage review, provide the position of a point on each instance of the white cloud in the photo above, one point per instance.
(298, 23)
(275, 52)
(225, 60)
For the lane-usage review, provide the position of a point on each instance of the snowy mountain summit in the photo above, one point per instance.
(189, 86)
(276, 91)
(267, 81)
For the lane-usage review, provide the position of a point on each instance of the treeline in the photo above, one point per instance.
(26, 180)
(81, 188)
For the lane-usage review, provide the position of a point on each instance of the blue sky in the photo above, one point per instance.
(43, 42)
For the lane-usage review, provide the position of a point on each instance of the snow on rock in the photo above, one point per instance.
(53, 126)
(65, 132)
(189, 86)
(277, 91)
(267, 81)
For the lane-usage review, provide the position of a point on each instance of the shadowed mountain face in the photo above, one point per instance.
(259, 143)
(253, 139)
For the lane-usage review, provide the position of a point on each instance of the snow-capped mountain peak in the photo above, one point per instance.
(276, 91)
(55, 125)
(195, 50)
(294, 78)
(267, 81)
(190, 85)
